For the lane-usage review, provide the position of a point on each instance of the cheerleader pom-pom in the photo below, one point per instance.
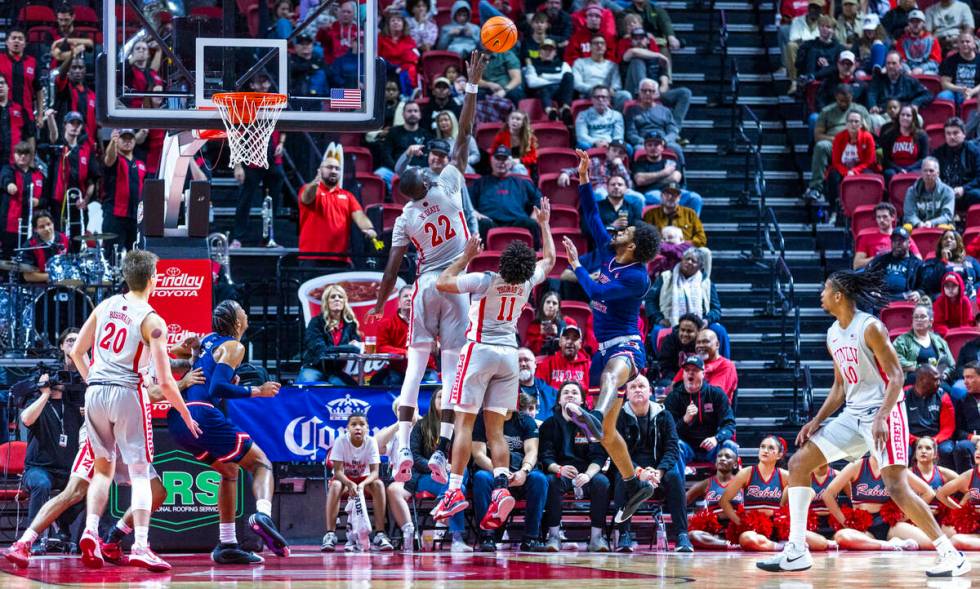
(780, 527)
(812, 521)
(836, 525)
(704, 521)
(963, 520)
(860, 520)
(759, 523)
(734, 531)
(892, 514)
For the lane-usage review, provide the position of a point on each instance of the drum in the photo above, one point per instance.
(94, 269)
(58, 308)
(64, 270)
(16, 317)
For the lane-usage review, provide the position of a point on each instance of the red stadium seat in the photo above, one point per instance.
(863, 220)
(958, 337)
(898, 315)
(552, 160)
(568, 195)
(500, 237)
(36, 14)
(575, 234)
(563, 216)
(350, 139)
(488, 261)
(532, 107)
(859, 190)
(372, 189)
(580, 105)
(662, 335)
(434, 63)
(396, 195)
(12, 456)
(362, 158)
(485, 132)
(389, 212)
(85, 16)
(897, 188)
(973, 216)
(969, 236)
(937, 136)
(578, 311)
(937, 112)
(926, 238)
(932, 83)
(527, 316)
(551, 135)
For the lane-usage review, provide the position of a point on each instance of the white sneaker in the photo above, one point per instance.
(953, 565)
(403, 470)
(906, 545)
(792, 558)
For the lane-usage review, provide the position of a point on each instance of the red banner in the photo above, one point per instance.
(183, 298)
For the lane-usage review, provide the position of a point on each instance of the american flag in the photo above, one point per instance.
(345, 98)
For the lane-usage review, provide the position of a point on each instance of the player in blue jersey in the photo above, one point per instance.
(224, 445)
(615, 295)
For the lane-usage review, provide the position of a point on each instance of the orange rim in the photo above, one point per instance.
(241, 107)
(211, 134)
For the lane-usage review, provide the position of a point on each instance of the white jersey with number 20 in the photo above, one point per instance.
(495, 306)
(864, 383)
(435, 225)
(118, 356)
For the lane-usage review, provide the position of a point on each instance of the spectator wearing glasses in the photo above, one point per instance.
(599, 125)
(921, 345)
(648, 115)
(595, 70)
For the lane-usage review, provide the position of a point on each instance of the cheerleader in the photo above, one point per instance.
(706, 527)
(935, 476)
(819, 481)
(963, 514)
(754, 525)
(864, 527)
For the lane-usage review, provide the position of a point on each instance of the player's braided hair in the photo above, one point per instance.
(647, 241)
(517, 263)
(225, 317)
(866, 289)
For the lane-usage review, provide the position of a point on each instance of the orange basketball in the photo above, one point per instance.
(498, 34)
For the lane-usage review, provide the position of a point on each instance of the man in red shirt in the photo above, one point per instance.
(325, 215)
(23, 186)
(580, 43)
(71, 93)
(336, 40)
(568, 363)
(21, 72)
(392, 337)
(872, 243)
(718, 370)
(124, 176)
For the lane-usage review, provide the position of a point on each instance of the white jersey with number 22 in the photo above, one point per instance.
(435, 225)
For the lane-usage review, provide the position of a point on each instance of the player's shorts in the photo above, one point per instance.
(437, 314)
(628, 348)
(118, 417)
(486, 376)
(83, 467)
(220, 440)
(848, 436)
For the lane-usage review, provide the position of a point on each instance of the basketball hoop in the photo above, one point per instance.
(249, 119)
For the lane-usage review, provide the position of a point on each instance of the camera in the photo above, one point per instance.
(68, 381)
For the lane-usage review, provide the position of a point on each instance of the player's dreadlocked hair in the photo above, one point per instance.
(865, 288)
(517, 263)
(225, 317)
(647, 241)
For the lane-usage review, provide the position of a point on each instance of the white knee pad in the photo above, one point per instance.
(139, 475)
(417, 358)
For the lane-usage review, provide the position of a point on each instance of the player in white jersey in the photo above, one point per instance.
(124, 333)
(868, 383)
(488, 370)
(434, 223)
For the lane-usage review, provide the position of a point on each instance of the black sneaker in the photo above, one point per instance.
(638, 491)
(532, 545)
(265, 528)
(486, 544)
(625, 543)
(234, 554)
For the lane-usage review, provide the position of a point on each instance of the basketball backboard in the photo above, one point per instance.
(162, 64)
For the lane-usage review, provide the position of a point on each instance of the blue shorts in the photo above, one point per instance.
(632, 351)
(220, 440)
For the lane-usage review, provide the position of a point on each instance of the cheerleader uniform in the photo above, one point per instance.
(818, 508)
(870, 490)
(935, 482)
(710, 519)
(712, 497)
(763, 494)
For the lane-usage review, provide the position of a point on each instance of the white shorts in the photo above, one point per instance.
(84, 466)
(486, 376)
(118, 417)
(437, 314)
(848, 436)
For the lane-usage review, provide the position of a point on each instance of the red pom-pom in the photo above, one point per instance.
(758, 522)
(892, 514)
(734, 531)
(860, 520)
(705, 521)
(963, 520)
(780, 527)
(836, 525)
(812, 521)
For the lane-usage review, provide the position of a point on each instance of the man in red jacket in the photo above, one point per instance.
(930, 412)
(392, 337)
(718, 370)
(568, 363)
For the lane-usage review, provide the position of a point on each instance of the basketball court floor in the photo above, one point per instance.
(309, 568)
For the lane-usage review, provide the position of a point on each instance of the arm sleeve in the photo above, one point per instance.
(671, 447)
(699, 238)
(582, 129)
(220, 384)
(911, 214)
(473, 282)
(591, 216)
(947, 420)
(664, 19)
(632, 135)
(618, 126)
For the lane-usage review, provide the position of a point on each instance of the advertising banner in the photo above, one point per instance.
(183, 297)
(301, 423)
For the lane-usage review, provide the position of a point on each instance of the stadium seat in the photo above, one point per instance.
(573, 233)
(898, 315)
(937, 136)
(551, 135)
(372, 189)
(532, 107)
(937, 112)
(389, 212)
(580, 105)
(552, 160)
(661, 336)
(897, 188)
(487, 261)
(500, 237)
(568, 195)
(396, 195)
(361, 157)
(958, 337)
(85, 16)
(434, 63)
(207, 12)
(969, 236)
(932, 83)
(860, 190)
(350, 139)
(485, 132)
(527, 316)
(926, 238)
(973, 216)
(36, 14)
(578, 311)
(863, 220)
(967, 108)
(563, 216)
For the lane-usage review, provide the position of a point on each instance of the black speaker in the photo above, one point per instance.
(153, 207)
(199, 209)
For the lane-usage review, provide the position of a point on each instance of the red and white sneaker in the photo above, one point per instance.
(112, 553)
(19, 554)
(452, 503)
(501, 504)
(146, 558)
(91, 548)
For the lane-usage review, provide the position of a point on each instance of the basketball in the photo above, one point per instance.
(498, 34)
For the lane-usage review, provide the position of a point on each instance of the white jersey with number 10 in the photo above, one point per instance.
(118, 355)
(864, 383)
(435, 225)
(495, 306)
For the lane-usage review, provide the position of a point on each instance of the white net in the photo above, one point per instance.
(249, 119)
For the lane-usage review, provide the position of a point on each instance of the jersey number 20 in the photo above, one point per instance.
(114, 338)
(447, 230)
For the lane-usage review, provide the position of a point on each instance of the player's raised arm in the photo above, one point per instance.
(478, 61)
(154, 331)
(543, 217)
(395, 257)
(447, 280)
(228, 358)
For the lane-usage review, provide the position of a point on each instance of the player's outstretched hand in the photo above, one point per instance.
(583, 165)
(190, 379)
(376, 314)
(571, 252)
(542, 215)
(268, 389)
(806, 432)
(472, 248)
(478, 61)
